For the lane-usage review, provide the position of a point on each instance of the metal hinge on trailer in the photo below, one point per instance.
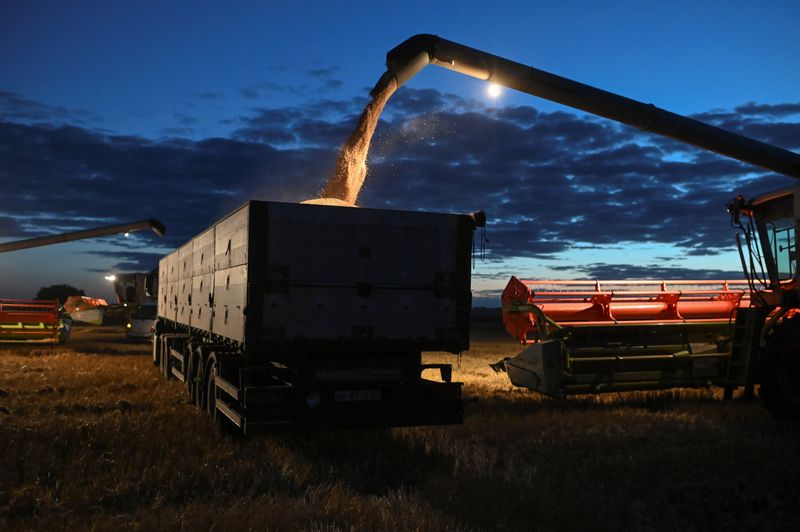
(235, 418)
(228, 387)
(225, 390)
(177, 370)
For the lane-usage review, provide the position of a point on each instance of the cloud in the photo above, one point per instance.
(415, 102)
(550, 182)
(322, 81)
(553, 179)
(652, 271)
(68, 172)
(11, 227)
(132, 260)
(761, 111)
(309, 126)
(249, 92)
(15, 108)
(185, 119)
(257, 90)
(323, 73)
(177, 131)
(332, 85)
(764, 122)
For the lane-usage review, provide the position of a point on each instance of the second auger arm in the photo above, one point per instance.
(130, 227)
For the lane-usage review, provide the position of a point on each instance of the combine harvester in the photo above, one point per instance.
(608, 336)
(27, 320)
(31, 320)
(765, 344)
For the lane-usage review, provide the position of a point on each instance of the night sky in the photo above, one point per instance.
(181, 112)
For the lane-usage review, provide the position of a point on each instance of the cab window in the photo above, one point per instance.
(783, 243)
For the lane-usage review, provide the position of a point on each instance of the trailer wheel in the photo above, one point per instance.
(780, 371)
(203, 352)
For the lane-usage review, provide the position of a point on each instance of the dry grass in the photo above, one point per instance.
(100, 441)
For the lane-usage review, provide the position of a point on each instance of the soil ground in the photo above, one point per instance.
(92, 437)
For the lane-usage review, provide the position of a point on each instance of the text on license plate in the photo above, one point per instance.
(357, 395)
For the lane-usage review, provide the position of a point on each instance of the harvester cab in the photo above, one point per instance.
(769, 331)
(769, 226)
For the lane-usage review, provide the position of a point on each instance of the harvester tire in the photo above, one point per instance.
(780, 371)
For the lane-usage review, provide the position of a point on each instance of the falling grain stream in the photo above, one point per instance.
(351, 165)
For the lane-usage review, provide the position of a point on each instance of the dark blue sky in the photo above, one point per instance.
(112, 112)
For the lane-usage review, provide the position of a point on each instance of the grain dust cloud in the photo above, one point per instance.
(351, 165)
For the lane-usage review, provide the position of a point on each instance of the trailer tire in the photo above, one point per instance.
(780, 371)
(203, 352)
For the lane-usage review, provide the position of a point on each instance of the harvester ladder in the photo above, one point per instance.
(746, 334)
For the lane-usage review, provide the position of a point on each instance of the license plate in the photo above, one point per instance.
(357, 395)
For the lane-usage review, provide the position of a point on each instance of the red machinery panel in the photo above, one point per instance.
(591, 303)
(28, 319)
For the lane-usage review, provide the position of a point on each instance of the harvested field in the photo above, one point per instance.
(91, 437)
